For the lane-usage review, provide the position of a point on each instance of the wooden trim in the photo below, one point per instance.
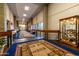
(65, 41)
(3, 50)
(18, 51)
(64, 51)
(69, 43)
(5, 33)
(69, 17)
(54, 31)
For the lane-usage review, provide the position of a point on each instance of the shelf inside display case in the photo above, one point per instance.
(69, 28)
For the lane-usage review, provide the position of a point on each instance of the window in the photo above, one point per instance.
(40, 26)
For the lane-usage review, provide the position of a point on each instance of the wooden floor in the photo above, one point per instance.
(64, 44)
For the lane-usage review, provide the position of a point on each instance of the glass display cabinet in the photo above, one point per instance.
(69, 30)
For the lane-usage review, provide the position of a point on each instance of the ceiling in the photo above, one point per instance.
(18, 9)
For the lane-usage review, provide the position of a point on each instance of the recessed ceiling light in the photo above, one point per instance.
(24, 15)
(26, 8)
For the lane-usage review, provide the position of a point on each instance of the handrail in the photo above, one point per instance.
(8, 33)
(56, 31)
(46, 32)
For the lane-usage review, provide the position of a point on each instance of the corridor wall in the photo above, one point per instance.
(41, 17)
(58, 11)
(8, 15)
(40, 20)
(2, 26)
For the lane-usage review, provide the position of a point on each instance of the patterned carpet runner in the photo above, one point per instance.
(40, 48)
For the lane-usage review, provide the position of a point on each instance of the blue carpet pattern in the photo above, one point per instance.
(65, 47)
(12, 49)
(16, 36)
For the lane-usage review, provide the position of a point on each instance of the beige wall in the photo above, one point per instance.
(35, 20)
(40, 17)
(5, 14)
(1, 17)
(15, 23)
(8, 16)
(29, 25)
(58, 11)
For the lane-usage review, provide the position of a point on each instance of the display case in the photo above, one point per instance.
(69, 30)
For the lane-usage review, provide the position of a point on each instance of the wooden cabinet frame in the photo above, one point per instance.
(75, 31)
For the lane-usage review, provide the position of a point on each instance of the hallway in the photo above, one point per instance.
(31, 47)
(39, 29)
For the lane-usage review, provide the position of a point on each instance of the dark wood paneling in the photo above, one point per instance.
(5, 33)
(69, 17)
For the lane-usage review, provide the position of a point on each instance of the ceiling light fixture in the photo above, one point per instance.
(24, 15)
(26, 8)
